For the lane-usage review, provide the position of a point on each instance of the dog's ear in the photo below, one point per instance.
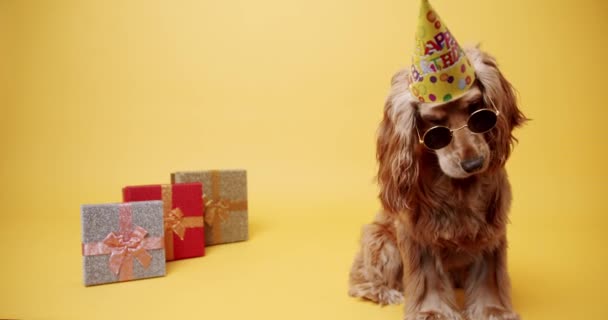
(397, 147)
(499, 92)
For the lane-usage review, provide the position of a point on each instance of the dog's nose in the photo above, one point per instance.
(472, 164)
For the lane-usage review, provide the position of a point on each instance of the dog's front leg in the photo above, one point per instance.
(488, 288)
(428, 292)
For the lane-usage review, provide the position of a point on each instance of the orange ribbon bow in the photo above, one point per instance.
(216, 211)
(173, 221)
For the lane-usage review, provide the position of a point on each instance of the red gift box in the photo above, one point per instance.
(183, 216)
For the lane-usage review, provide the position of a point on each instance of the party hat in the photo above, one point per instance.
(440, 69)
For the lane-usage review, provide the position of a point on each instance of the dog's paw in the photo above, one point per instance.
(492, 313)
(435, 315)
(390, 296)
(382, 295)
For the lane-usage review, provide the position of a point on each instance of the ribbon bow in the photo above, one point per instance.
(126, 246)
(216, 210)
(173, 221)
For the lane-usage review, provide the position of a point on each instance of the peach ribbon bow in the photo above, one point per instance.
(123, 248)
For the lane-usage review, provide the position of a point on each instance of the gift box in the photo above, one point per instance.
(225, 199)
(122, 241)
(183, 212)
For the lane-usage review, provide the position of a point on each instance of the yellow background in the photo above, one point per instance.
(97, 95)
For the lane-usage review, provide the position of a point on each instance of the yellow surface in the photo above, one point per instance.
(97, 95)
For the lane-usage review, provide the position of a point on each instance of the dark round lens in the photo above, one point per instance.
(437, 138)
(482, 120)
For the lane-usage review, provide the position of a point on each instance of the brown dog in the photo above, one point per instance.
(444, 221)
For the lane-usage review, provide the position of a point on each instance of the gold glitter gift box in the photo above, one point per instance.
(225, 201)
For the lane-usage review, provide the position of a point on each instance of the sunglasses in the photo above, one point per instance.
(480, 121)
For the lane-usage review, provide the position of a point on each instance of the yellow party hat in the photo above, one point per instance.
(440, 69)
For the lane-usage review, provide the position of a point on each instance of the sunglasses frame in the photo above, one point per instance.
(466, 125)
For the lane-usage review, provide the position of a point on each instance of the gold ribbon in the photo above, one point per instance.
(175, 222)
(125, 246)
(217, 209)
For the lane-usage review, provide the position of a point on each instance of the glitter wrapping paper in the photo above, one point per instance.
(122, 241)
(183, 213)
(225, 193)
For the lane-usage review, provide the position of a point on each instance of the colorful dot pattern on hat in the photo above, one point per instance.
(440, 70)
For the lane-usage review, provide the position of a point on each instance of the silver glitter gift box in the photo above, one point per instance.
(122, 241)
(225, 201)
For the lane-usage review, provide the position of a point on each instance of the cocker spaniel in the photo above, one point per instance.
(445, 196)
